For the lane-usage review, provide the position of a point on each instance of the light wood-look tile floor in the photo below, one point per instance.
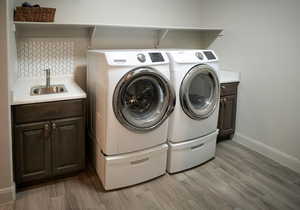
(237, 178)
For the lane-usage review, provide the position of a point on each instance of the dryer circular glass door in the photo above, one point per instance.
(143, 99)
(199, 92)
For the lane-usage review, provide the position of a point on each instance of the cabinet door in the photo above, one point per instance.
(32, 152)
(68, 145)
(227, 115)
(221, 115)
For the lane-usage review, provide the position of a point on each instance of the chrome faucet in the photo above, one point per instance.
(47, 78)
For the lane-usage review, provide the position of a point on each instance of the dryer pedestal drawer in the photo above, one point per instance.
(185, 155)
(124, 170)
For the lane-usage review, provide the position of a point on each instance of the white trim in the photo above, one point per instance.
(7, 194)
(284, 159)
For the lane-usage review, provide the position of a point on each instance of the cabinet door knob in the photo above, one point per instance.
(53, 126)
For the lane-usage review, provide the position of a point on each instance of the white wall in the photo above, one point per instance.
(261, 41)
(6, 182)
(135, 12)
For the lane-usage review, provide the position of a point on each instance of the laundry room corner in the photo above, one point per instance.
(149, 104)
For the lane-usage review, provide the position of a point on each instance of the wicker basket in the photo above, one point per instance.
(34, 14)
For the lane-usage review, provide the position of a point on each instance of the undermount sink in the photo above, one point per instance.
(43, 90)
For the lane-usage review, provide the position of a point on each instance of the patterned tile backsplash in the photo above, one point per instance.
(35, 55)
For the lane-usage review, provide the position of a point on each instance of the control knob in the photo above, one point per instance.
(141, 57)
(199, 55)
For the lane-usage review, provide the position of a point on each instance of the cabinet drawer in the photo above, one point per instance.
(128, 169)
(188, 154)
(229, 88)
(48, 111)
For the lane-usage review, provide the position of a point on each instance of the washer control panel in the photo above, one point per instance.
(132, 57)
(154, 56)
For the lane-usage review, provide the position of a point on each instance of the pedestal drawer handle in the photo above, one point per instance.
(197, 146)
(139, 161)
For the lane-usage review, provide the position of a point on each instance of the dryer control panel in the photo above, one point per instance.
(194, 56)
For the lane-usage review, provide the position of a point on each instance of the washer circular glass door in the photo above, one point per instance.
(143, 99)
(199, 92)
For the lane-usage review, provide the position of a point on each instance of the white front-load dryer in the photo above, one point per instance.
(130, 100)
(192, 129)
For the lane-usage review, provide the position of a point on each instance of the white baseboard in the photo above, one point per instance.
(7, 194)
(270, 152)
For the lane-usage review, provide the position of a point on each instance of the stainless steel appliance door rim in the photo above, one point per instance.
(167, 97)
(210, 104)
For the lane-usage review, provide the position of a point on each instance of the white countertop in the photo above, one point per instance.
(21, 91)
(229, 76)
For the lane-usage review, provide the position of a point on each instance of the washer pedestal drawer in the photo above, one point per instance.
(185, 155)
(124, 170)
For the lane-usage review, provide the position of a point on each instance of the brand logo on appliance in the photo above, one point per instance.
(120, 60)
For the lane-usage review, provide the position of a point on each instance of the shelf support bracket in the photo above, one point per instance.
(161, 35)
(92, 33)
(220, 34)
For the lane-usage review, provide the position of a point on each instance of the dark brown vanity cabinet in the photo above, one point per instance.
(51, 142)
(227, 110)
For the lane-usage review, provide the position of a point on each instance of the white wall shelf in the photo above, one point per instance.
(159, 32)
(81, 25)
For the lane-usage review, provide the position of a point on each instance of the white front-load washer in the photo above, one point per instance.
(130, 100)
(193, 124)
